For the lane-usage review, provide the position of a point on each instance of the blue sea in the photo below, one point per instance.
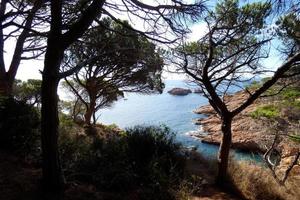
(156, 109)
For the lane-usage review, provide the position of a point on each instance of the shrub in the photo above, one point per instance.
(19, 126)
(291, 93)
(268, 111)
(72, 147)
(257, 182)
(291, 112)
(154, 152)
(145, 159)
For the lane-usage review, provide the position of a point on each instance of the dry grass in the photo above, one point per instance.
(257, 183)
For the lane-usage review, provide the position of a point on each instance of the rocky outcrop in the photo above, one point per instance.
(255, 135)
(247, 134)
(198, 91)
(179, 91)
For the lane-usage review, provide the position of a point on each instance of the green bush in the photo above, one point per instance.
(19, 126)
(145, 159)
(72, 147)
(268, 111)
(295, 138)
(291, 93)
(153, 150)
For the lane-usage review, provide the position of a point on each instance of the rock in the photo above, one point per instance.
(198, 91)
(247, 134)
(254, 135)
(248, 145)
(206, 110)
(179, 91)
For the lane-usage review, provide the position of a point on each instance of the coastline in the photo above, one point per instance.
(247, 134)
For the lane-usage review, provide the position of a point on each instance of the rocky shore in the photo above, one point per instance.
(247, 133)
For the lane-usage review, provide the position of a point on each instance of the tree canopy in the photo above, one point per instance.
(231, 54)
(116, 60)
(28, 91)
(67, 27)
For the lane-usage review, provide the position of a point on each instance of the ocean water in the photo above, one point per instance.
(174, 111)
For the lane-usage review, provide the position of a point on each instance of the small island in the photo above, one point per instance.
(179, 91)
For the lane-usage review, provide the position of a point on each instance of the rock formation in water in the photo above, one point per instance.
(198, 91)
(179, 91)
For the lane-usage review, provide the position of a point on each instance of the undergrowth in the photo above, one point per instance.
(145, 160)
(270, 111)
(256, 182)
(19, 127)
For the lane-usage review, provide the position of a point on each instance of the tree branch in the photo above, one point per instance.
(278, 74)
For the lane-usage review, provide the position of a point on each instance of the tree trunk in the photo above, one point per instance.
(94, 118)
(53, 178)
(224, 150)
(6, 85)
(89, 112)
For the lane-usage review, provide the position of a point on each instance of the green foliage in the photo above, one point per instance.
(28, 91)
(117, 59)
(19, 126)
(295, 138)
(291, 93)
(71, 109)
(295, 104)
(131, 61)
(232, 48)
(154, 148)
(146, 158)
(269, 111)
(252, 15)
(288, 31)
(72, 147)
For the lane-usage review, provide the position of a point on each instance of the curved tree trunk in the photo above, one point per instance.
(89, 112)
(223, 155)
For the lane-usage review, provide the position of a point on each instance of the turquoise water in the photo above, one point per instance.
(174, 111)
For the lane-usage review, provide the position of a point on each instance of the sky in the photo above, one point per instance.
(30, 69)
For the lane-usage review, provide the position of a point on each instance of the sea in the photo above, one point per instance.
(176, 112)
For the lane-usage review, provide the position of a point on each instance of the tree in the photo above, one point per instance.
(65, 29)
(28, 91)
(90, 96)
(17, 19)
(117, 60)
(229, 55)
(289, 32)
